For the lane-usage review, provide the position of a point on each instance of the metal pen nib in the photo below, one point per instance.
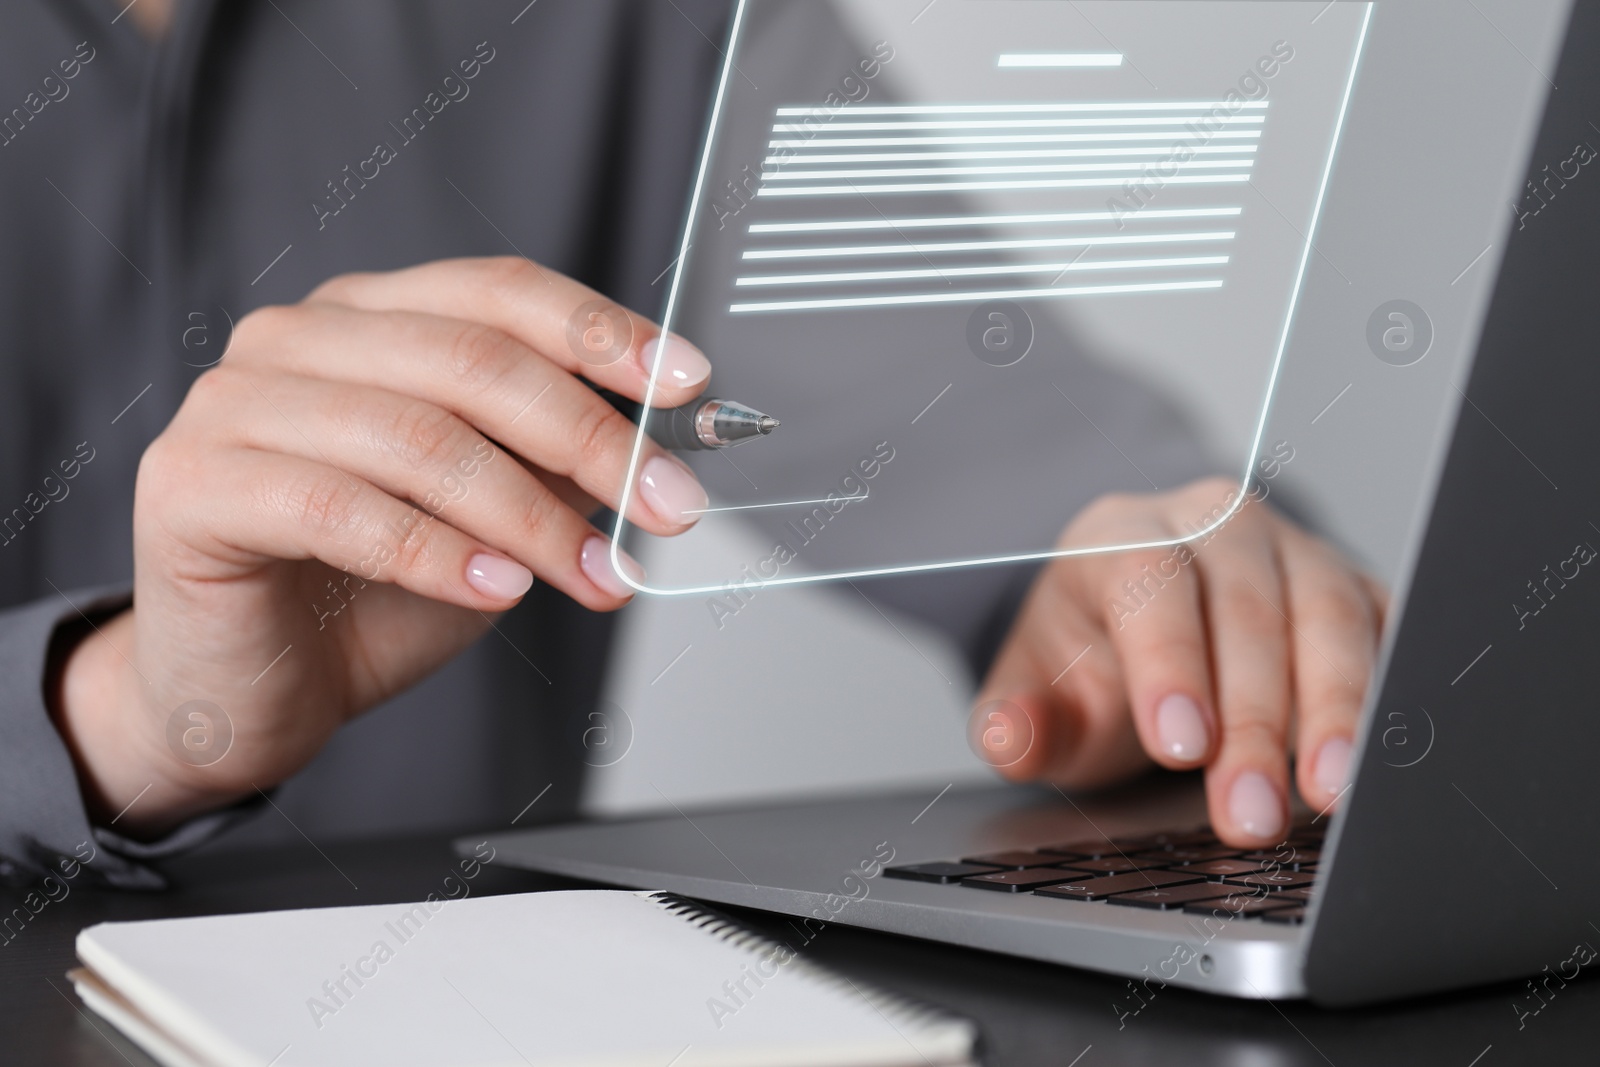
(710, 423)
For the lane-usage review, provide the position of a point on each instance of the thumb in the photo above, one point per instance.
(1017, 733)
(1073, 729)
(1018, 724)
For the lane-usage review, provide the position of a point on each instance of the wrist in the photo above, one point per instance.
(112, 725)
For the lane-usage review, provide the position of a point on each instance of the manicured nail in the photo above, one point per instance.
(1181, 729)
(671, 491)
(500, 578)
(1255, 807)
(682, 364)
(1332, 769)
(596, 562)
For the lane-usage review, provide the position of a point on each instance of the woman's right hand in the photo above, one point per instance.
(343, 504)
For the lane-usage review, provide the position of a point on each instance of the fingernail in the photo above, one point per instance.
(596, 562)
(1255, 807)
(682, 364)
(1332, 769)
(1181, 729)
(671, 491)
(500, 578)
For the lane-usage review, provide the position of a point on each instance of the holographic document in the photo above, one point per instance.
(988, 260)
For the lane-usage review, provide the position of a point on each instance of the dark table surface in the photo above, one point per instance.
(1029, 1013)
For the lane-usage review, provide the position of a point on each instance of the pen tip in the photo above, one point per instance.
(767, 424)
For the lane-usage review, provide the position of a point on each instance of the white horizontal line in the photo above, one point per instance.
(1125, 167)
(1013, 124)
(991, 220)
(799, 158)
(1002, 109)
(1060, 59)
(979, 272)
(960, 298)
(988, 246)
(777, 504)
(1052, 183)
(1169, 136)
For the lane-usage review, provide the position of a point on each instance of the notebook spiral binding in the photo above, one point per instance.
(895, 1007)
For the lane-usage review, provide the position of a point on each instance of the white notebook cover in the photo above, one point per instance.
(601, 978)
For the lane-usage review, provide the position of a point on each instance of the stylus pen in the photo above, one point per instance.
(706, 423)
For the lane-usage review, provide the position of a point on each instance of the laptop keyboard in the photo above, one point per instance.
(1191, 872)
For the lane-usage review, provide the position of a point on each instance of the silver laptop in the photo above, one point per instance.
(1455, 229)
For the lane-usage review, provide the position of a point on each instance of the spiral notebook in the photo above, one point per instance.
(588, 977)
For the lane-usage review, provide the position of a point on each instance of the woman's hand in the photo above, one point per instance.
(1225, 653)
(347, 499)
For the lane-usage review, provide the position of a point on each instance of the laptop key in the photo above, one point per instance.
(1194, 854)
(1117, 865)
(1014, 859)
(942, 873)
(1243, 905)
(1301, 894)
(1289, 858)
(1169, 897)
(1085, 850)
(1224, 868)
(1273, 880)
(1127, 846)
(1167, 841)
(1020, 881)
(1101, 888)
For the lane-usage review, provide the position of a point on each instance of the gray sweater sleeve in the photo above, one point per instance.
(44, 828)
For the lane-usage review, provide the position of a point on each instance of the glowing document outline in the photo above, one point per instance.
(1019, 557)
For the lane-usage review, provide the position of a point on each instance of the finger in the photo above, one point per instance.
(564, 488)
(570, 324)
(424, 454)
(1018, 725)
(1335, 645)
(283, 507)
(1154, 618)
(1379, 595)
(1052, 706)
(1247, 782)
(566, 491)
(507, 390)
